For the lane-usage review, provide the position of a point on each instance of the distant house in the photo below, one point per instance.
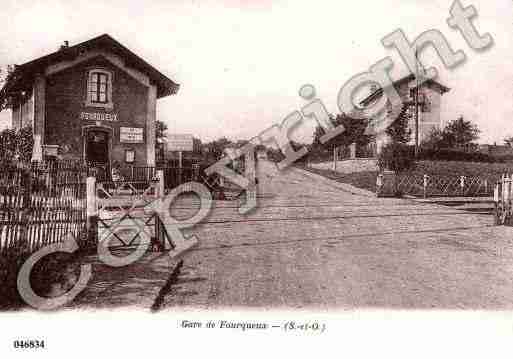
(496, 150)
(430, 94)
(94, 102)
(468, 147)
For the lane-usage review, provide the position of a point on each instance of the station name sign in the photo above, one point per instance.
(99, 116)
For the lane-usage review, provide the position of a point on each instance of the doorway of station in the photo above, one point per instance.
(97, 150)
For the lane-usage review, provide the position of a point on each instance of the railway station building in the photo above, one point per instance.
(94, 102)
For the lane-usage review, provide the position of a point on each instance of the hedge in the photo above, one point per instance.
(454, 155)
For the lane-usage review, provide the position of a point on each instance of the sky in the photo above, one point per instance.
(241, 63)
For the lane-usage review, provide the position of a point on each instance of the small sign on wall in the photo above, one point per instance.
(131, 135)
(129, 156)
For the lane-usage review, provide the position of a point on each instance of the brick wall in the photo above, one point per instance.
(66, 93)
(429, 119)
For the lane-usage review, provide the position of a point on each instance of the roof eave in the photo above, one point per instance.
(378, 92)
(165, 86)
(167, 89)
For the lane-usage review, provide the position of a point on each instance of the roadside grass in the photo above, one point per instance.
(365, 180)
(457, 168)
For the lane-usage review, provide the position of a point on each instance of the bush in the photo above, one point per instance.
(16, 145)
(25, 144)
(454, 155)
(54, 271)
(396, 157)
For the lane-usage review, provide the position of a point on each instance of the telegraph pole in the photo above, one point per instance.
(416, 100)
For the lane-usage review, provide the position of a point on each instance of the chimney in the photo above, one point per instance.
(65, 45)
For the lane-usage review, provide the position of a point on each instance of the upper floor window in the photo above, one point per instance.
(99, 89)
(423, 100)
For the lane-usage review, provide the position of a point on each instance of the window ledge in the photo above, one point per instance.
(108, 105)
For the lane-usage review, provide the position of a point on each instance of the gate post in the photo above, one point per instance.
(496, 192)
(379, 184)
(159, 196)
(159, 191)
(91, 211)
(425, 184)
(196, 172)
(334, 158)
(496, 214)
(507, 198)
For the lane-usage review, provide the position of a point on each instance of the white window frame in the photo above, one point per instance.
(109, 104)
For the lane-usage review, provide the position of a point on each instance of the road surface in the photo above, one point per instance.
(313, 243)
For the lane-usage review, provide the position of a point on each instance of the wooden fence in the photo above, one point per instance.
(433, 185)
(44, 203)
(41, 204)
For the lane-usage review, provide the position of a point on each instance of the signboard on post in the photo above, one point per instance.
(179, 143)
(131, 135)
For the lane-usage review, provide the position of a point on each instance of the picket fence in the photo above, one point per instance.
(434, 185)
(45, 203)
(41, 204)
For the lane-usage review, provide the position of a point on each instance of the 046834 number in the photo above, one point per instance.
(29, 344)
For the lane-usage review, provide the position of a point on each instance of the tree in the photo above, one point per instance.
(460, 132)
(16, 145)
(6, 77)
(354, 132)
(456, 133)
(435, 140)
(399, 131)
(196, 145)
(8, 144)
(160, 135)
(160, 130)
(217, 147)
(509, 141)
(25, 144)
(397, 157)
